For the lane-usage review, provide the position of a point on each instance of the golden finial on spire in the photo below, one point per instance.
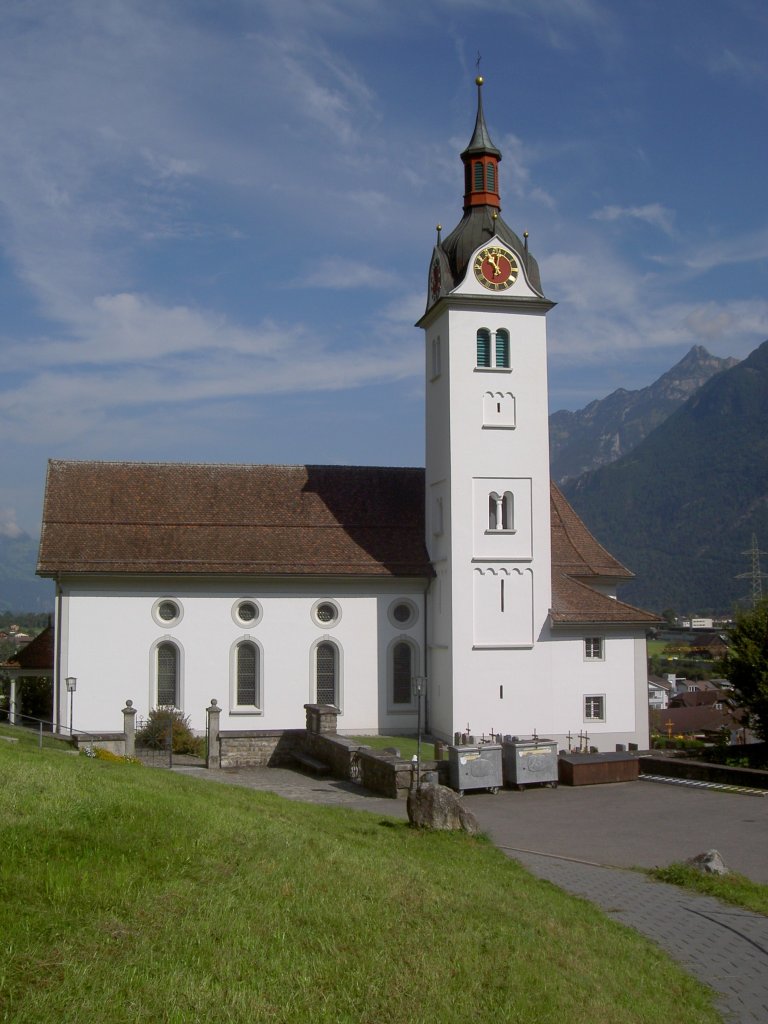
(479, 80)
(438, 228)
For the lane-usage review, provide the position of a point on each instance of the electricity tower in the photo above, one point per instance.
(754, 574)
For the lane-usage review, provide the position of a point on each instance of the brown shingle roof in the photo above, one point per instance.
(176, 518)
(107, 517)
(38, 653)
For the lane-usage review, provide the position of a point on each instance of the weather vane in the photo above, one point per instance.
(477, 62)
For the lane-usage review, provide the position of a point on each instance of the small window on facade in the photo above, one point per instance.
(593, 648)
(401, 673)
(247, 671)
(508, 511)
(491, 177)
(479, 176)
(326, 674)
(493, 511)
(594, 708)
(436, 357)
(502, 349)
(167, 675)
(483, 347)
(403, 613)
(166, 612)
(326, 613)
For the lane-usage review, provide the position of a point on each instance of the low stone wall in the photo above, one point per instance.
(114, 742)
(335, 751)
(388, 774)
(259, 748)
(702, 771)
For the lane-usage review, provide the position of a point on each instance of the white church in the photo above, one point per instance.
(267, 588)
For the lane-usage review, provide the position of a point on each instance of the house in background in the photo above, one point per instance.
(271, 587)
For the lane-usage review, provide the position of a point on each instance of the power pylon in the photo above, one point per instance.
(754, 574)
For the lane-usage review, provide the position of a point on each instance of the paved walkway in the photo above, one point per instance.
(575, 838)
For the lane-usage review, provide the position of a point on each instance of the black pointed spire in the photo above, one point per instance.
(481, 139)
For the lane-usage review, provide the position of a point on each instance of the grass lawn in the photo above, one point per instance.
(30, 739)
(131, 894)
(405, 744)
(732, 888)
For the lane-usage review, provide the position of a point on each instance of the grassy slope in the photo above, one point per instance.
(732, 888)
(131, 894)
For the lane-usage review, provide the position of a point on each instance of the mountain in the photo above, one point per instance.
(20, 589)
(681, 508)
(611, 427)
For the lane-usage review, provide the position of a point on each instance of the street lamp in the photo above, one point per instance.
(419, 685)
(71, 682)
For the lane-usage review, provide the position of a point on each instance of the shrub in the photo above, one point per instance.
(161, 721)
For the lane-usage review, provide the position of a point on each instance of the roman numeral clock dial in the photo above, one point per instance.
(495, 268)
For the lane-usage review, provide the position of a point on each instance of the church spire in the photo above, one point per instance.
(481, 163)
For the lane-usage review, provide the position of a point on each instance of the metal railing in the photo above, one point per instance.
(42, 727)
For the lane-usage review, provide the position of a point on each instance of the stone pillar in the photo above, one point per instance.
(321, 719)
(12, 699)
(129, 728)
(213, 759)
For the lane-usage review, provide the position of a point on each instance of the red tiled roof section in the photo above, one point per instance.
(577, 557)
(38, 653)
(574, 550)
(104, 517)
(577, 603)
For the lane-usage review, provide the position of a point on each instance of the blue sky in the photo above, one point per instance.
(216, 217)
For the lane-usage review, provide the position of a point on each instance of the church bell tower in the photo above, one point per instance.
(487, 465)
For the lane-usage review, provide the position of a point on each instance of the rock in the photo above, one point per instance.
(439, 808)
(709, 863)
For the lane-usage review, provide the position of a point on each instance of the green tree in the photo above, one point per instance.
(746, 664)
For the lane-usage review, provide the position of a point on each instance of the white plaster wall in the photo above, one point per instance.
(465, 459)
(108, 634)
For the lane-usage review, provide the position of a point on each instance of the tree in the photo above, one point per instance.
(746, 663)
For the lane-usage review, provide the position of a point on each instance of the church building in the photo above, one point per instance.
(271, 587)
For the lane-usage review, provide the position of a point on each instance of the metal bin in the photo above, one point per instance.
(529, 762)
(476, 767)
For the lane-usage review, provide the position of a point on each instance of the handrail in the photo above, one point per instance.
(17, 719)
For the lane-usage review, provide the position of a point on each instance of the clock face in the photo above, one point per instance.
(435, 281)
(496, 268)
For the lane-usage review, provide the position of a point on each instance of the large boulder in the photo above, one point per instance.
(438, 807)
(709, 863)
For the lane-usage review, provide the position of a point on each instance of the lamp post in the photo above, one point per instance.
(71, 682)
(419, 684)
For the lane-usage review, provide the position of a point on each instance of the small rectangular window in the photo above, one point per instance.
(593, 648)
(435, 357)
(594, 708)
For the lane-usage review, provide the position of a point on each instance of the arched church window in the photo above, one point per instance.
(502, 348)
(495, 511)
(167, 656)
(247, 674)
(327, 674)
(483, 347)
(401, 673)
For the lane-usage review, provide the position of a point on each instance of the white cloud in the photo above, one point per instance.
(345, 273)
(8, 525)
(652, 213)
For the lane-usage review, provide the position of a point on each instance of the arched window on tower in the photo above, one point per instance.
(495, 511)
(484, 347)
(479, 177)
(490, 177)
(502, 348)
(508, 511)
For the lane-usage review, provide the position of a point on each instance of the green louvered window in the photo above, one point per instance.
(247, 674)
(167, 675)
(326, 674)
(401, 673)
(483, 347)
(502, 348)
(479, 177)
(490, 173)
